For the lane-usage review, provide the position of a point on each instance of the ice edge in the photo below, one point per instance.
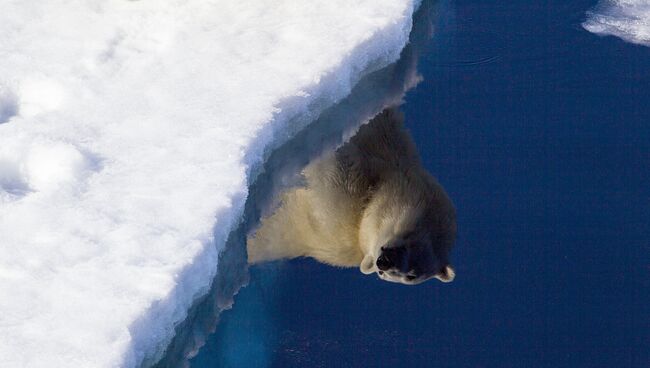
(193, 282)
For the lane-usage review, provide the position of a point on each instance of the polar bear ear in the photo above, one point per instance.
(447, 274)
(367, 265)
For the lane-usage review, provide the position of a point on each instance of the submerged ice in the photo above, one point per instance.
(627, 19)
(129, 132)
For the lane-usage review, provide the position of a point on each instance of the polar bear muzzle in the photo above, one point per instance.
(410, 265)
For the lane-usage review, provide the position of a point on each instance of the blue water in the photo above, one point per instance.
(540, 132)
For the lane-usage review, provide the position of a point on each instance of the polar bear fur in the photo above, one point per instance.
(370, 205)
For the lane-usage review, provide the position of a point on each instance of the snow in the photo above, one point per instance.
(627, 19)
(129, 133)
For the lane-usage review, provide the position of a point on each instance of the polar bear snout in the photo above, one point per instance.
(411, 266)
(390, 258)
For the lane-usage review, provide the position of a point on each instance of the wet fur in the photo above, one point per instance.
(357, 199)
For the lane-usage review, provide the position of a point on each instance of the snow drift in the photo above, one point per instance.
(129, 133)
(627, 19)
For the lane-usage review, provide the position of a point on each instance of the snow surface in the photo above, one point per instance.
(627, 19)
(129, 132)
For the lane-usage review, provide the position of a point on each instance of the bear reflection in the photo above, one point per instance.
(370, 205)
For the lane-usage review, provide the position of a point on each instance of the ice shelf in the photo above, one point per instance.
(129, 133)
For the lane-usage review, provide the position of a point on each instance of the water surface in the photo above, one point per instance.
(540, 132)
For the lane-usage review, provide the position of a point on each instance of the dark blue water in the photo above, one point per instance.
(540, 132)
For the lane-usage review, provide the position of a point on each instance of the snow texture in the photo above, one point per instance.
(334, 126)
(627, 19)
(129, 133)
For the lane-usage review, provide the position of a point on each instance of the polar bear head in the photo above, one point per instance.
(407, 231)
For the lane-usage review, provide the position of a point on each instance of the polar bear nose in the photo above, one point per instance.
(383, 263)
(394, 257)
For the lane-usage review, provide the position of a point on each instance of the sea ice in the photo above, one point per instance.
(129, 133)
(627, 19)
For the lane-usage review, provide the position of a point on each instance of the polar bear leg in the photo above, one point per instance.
(280, 234)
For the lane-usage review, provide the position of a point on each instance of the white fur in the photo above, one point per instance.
(371, 191)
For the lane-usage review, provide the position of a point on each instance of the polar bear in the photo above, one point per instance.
(370, 205)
